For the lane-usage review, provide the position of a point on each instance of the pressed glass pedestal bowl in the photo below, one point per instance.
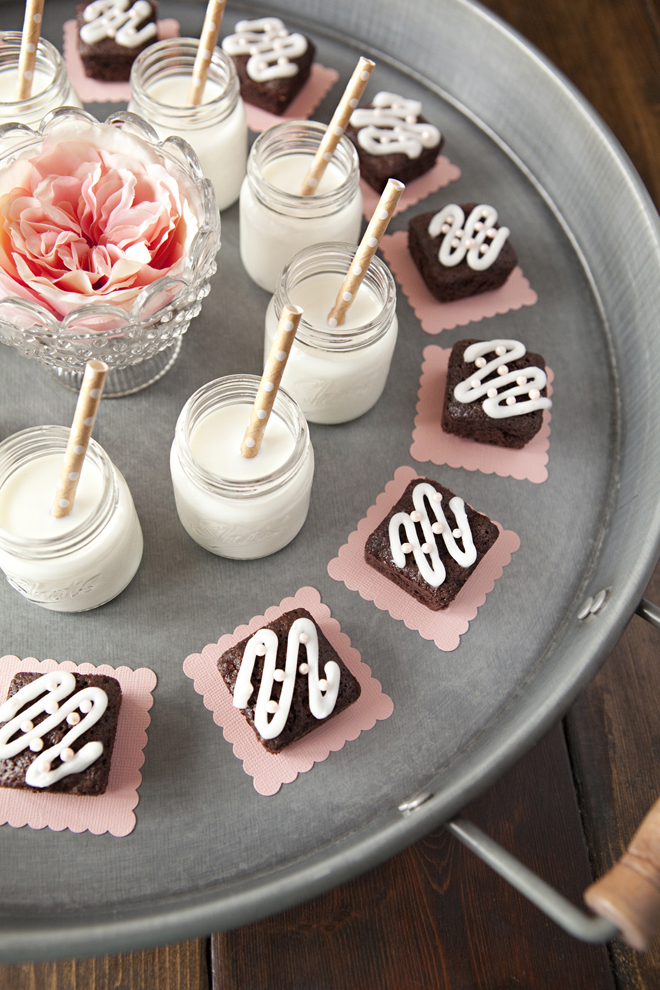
(139, 339)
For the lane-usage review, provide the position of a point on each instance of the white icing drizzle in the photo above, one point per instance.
(50, 690)
(475, 237)
(270, 46)
(428, 561)
(322, 699)
(497, 404)
(113, 19)
(390, 127)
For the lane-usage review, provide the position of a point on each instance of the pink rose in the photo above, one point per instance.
(94, 216)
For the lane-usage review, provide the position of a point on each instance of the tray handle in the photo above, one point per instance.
(626, 900)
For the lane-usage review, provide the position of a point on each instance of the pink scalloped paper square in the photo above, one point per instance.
(110, 812)
(445, 627)
(431, 443)
(320, 82)
(270, 770)
(95, 90)
(442, 173)
(436, 316)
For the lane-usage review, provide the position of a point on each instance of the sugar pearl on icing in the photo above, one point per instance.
(51, 685)
(521, 380)
(304, 668)
(278, 675)
(469, 242)
(455, 242)
(411, 119)
(492, 393)
(480, 362)
(456, 533)
(73, 718)
(44, 766)
(459, 232)
(500, 350)
(437, 527)
(426, 547)
(503, 370)
(323, 684)
(36, 745)
(406, 547)
(445, 228)
(27, 725)
(478, 225)
(85, 706)
(51, 706)
(67, 755)
(303, 638)
(483, 249)
(271, 707)
(534, 394)
(491, 232)
(511, 401)
(260, 650)
(282, 60)
(484, 213)
(475, 383)
(436, 497)
(416, 516)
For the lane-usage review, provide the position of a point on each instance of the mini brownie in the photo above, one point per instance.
(468, 419)
(377, 169)
(300, 720)
(378, 554)
(93, 780)
(106, 60)
(273, 95)
(448, 283)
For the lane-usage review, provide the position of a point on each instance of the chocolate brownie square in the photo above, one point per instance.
(251, 41)
(425, 535)
(300, 719)
(94, 779)
(106, 59)
(376, 169)
(448, 283)
(469, 419)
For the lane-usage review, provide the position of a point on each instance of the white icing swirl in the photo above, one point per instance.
(475, 237)
(428, 561)
(390, 127)
(50, 690)
(112, 19)
(497, 405)
(270, 46)
(321, 699)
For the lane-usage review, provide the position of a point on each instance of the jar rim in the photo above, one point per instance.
(235, 390)
(40, 441)
(47, 57)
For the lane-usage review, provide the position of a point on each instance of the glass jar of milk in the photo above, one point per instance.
(216, 129)
(275, 220)
(50, 86)
(232, 505)
(336, 374)
(82, 560)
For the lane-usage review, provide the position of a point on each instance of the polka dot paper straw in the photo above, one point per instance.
(214, 12)
(352, 95)
(270, 380)
(31, 30)
(365, 252)
(91, 391)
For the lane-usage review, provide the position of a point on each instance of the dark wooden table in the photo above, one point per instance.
(434, 916)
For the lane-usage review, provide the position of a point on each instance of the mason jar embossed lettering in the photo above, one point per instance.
(232, 505)
(78, 562)
(335, 374)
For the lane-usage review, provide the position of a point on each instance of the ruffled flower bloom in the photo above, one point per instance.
(86, 221)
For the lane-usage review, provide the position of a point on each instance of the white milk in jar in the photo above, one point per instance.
(77, 562)
(335, 374)
(50, 86)
(216, 129)
(275, 220)
(232, 505)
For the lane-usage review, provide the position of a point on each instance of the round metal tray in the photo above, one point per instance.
(208, 852)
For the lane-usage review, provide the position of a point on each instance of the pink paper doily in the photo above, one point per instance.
(431, 443)
(94, 90)
(320, 82)
(446, 627)
(270, 770)
(442, 173)
(110, 812)
(436, 316)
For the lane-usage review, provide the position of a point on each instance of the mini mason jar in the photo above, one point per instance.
(232, 505)
(337, 374)
(78, 562)
(50, 85)
(275, 220)
(216, 129)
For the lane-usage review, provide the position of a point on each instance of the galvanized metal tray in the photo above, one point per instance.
(208, 852)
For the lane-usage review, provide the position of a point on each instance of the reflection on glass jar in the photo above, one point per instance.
(232, 505)
(78, 562)
(275, 220)
(335, 374)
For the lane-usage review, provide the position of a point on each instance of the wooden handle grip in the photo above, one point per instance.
(629, 894)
